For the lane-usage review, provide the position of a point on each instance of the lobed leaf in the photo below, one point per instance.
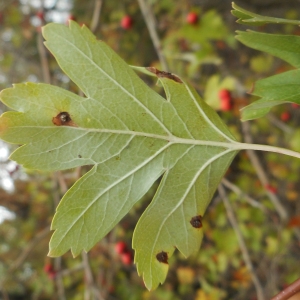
(286, 47)
(277, 89)
(131, 136)
(248, 18)
(274, 90)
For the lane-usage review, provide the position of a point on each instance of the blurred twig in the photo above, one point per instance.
(289, 291)
(275, 121)
(240, 193)
(88, 275)
(262, 175)
(96, 15)
(151, 25)
(30, 246)
(43, 58)
(242, 244)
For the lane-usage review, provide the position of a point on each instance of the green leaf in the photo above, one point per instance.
(286, 47)
(248, 18)
(131, 136)
(274, 90)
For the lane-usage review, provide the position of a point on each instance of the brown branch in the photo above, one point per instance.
(151, 25)
(289, 291)
(242, 244)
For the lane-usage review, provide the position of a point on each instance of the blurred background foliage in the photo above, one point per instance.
(205, 53)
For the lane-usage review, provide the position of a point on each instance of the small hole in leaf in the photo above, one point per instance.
(196, 221)
(162, 257)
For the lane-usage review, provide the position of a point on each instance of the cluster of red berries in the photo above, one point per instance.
(127, 21)
(125, 254)
(225, 100)
(49, 270)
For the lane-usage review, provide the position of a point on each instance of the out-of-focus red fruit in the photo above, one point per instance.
(226, 105)
(192, 18)
(224, 94)
(285, 116)
(120, 247)
(225, 100)
(271, 188)
(48, 268)
(126, 258)
(126, 22)
(52, 274)
(295, 105)
(40, 14)
(71, 17)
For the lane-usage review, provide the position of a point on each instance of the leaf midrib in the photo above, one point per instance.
(171, 138)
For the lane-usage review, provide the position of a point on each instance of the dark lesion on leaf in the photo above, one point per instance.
(63, 119)
(196, 221)
(164, 74)
(162, 257)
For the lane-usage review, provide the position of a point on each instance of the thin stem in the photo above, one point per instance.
(242, 244)
(267, 148)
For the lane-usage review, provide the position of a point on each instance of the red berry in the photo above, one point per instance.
(71, 17)
(285, 116)
(226, 105)
(225, 100)
(120, 247)
(271, 188)
(295, 105)
(48, 268)
(192, 18)
(52, 274)
(126, 258)
(224, 94)
(126, 22)
(40, 15)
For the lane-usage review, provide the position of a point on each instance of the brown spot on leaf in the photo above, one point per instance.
(164, 74)
(79, 156)
(162, 257)
(63, 119)
(196, 221)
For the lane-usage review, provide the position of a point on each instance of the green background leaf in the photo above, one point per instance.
(249, 18)
(274, 90)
